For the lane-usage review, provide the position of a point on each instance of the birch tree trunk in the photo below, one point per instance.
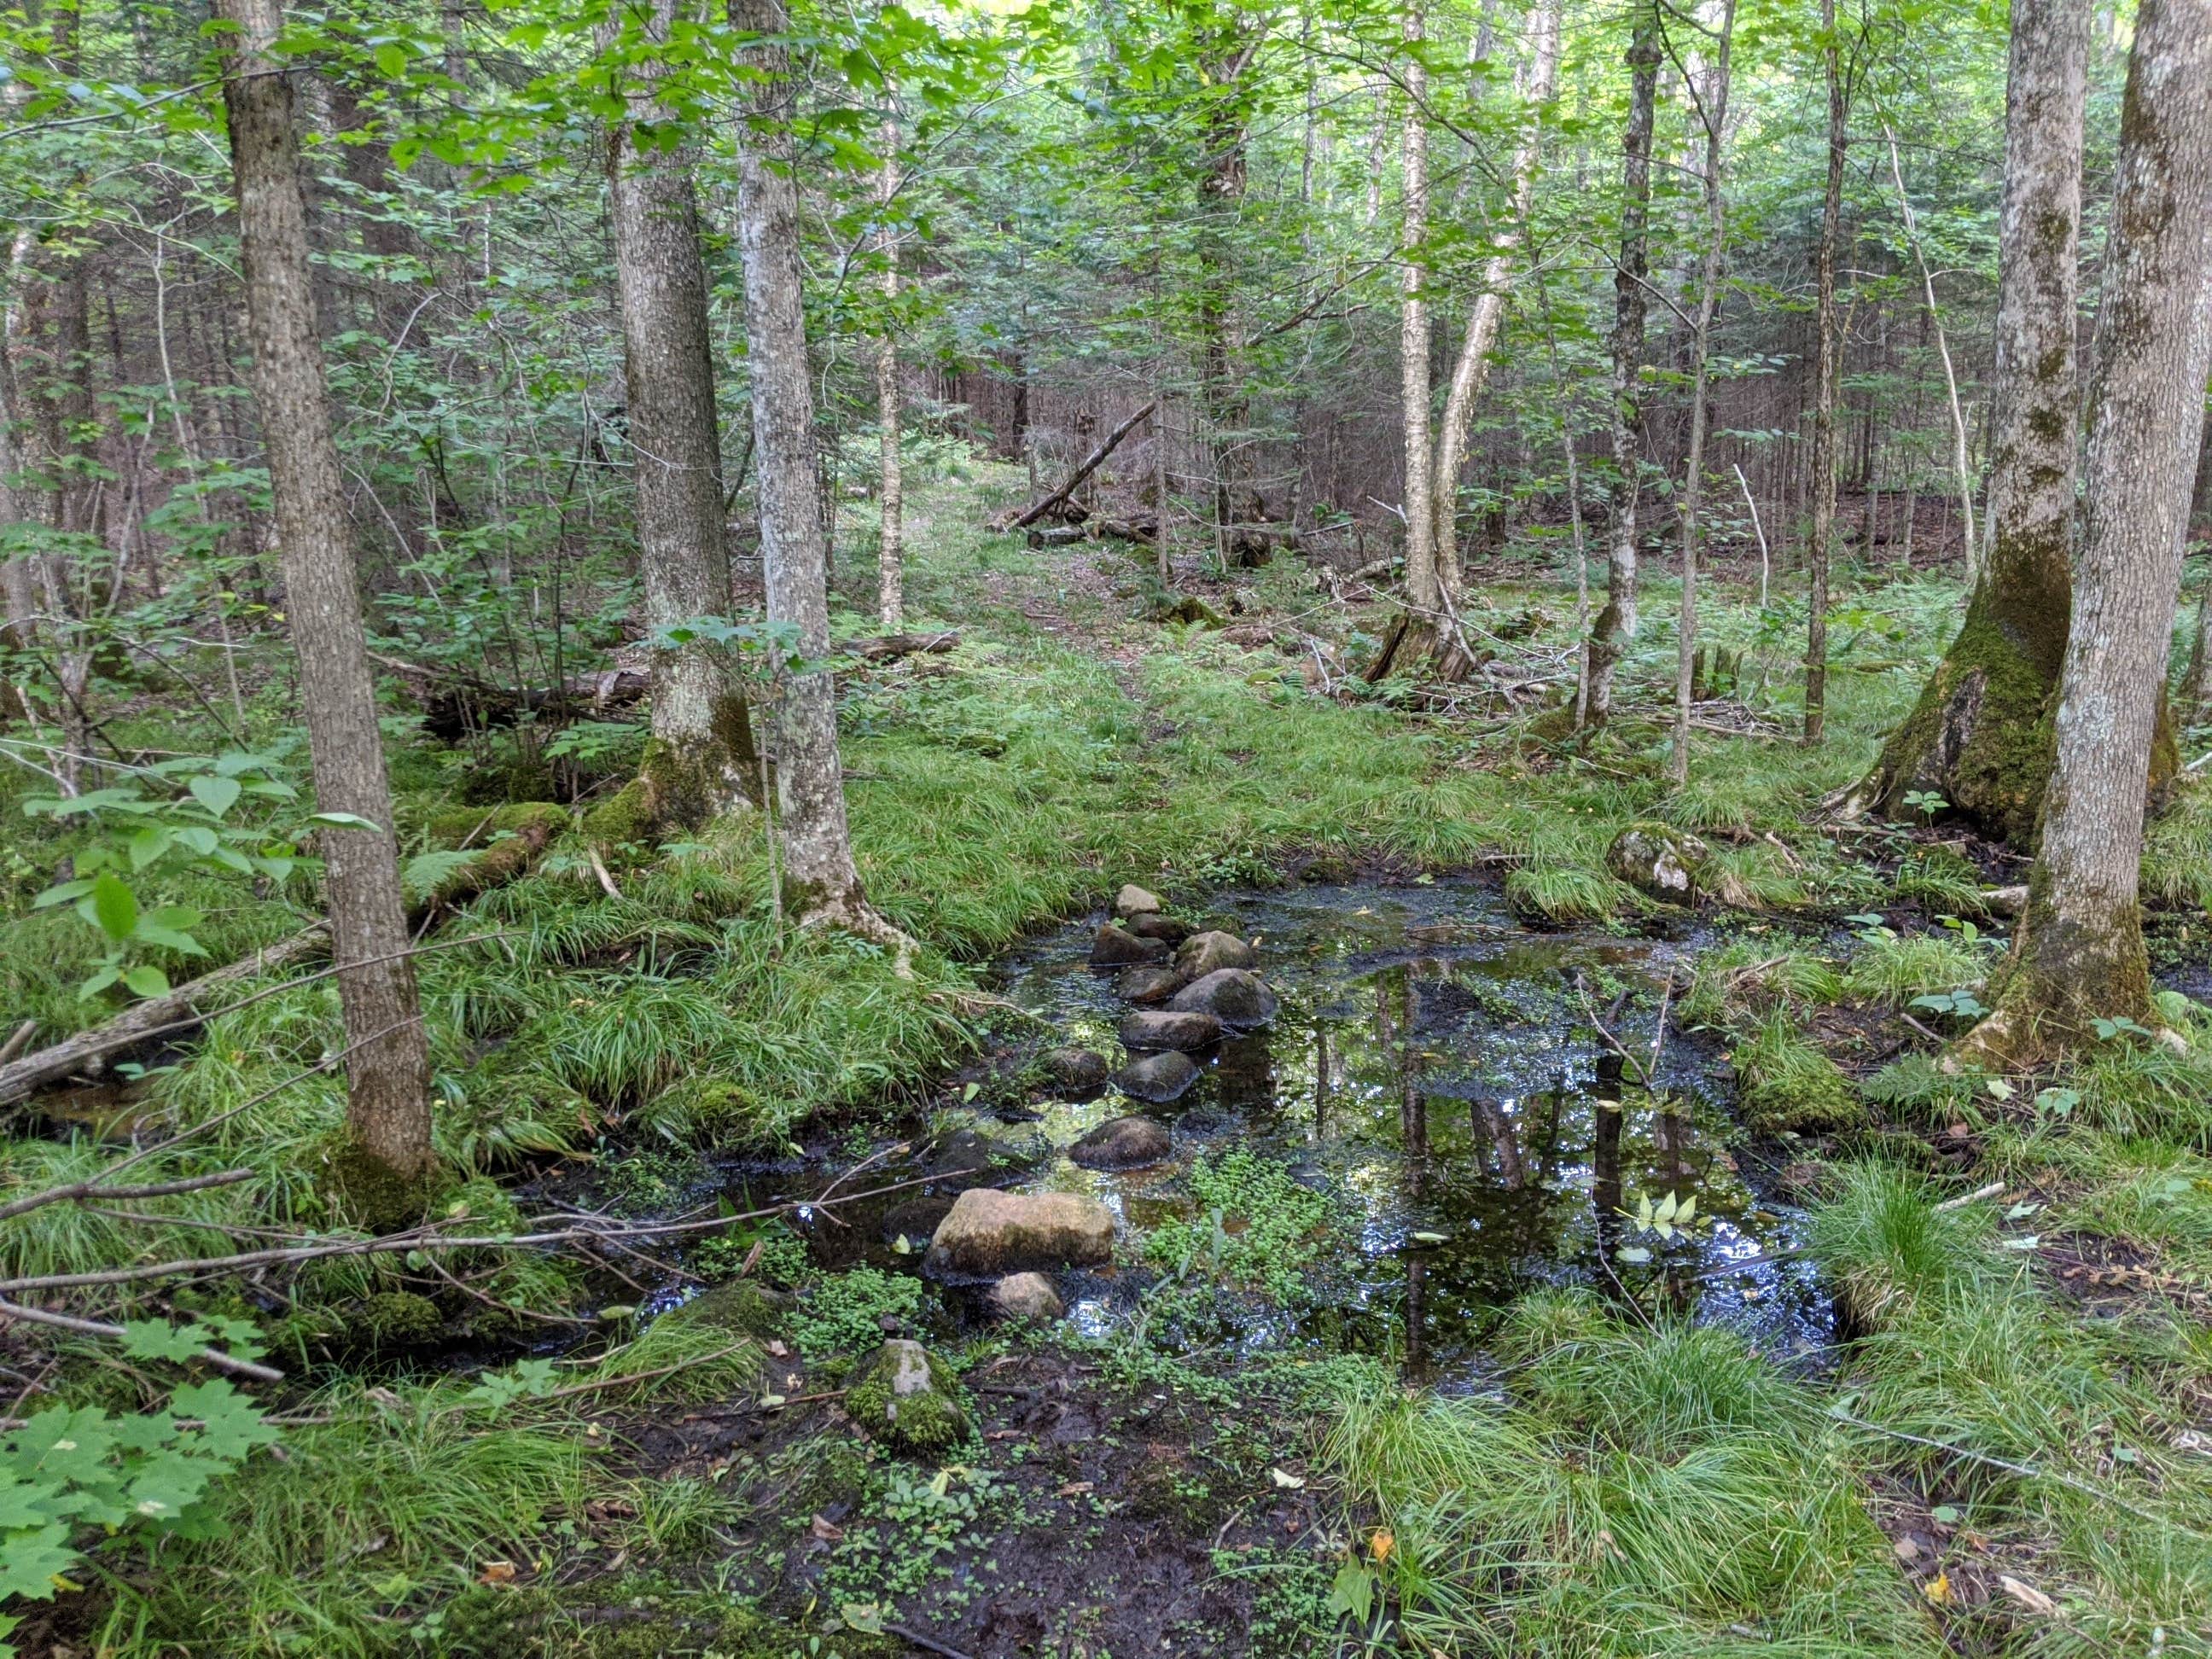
(890, 594)
(388, 1153)
(701, 760)
(1822, 554)
(1715, 106)
(1616, 622)
(1979, 737)
(2079, 953)
(1539, 78)
(820, 883)
(1422, 585)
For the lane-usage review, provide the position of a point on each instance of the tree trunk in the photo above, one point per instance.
(1714, 106)
(1823, 548)
(1539, 78)
(388, 1061)
(890, 595)
(2079, 952)
(1980, 737)
(1422, 584)
(701, 761)
(820, 883)
(1616, 622)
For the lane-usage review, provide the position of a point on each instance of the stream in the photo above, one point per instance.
(1439, 1069)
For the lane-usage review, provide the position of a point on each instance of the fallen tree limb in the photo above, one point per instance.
(215, 1357)
(175, 1011)
(92, 1188)
(1090, 463)
(885, 648)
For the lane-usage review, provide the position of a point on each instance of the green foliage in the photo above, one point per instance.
(1788, 1083)
(1255, 1225)
(843, 1313)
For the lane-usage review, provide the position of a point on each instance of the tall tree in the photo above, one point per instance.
(1539, 77)
(1616, 622)
(1423, 586)
(701, 761)
(1980, 737)
(388, 1058)
(891, 592)
(1829, 329)
(820, 884)
(2078, 955)
(1712, 112)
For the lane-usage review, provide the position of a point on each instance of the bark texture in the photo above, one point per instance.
(1829, 328)
(1422, 582)
(820, 884)
(701, 761)
(387, 1066)
(1980, 736)
(1715, 105)
(891, 588)
(2079, 953)
(1616, 622)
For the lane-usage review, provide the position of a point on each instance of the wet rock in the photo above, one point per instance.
(1126, 1142)
(1159, 1028)
(1237, 997)
(1135, 901)
(965, 1159)
(1166, 929)
(1025, 1297)
(1158, 1078)
(1117, 947)
(906, 1397)
(1142, 985)
(1078, 1073)
(991, 1232)
(1203, 953)
(1659, 861)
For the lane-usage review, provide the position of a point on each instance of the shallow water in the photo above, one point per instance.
(1442, 1069)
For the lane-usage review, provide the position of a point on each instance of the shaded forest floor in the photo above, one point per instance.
(2001, 1441)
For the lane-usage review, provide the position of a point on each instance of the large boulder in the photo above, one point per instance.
(990, 1233)
(1158, 1078)
(906, 1398)
(1117, 947)
(1142, 985)
(1126, 1143)
(1078, 1073)
(1025, 1297)
(1205, 953)
(1135, 901)
(1237, 997)
(1160, 1028)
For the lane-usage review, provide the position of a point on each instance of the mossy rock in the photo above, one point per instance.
(908, 1398)
(1808, 1096)
(743, 1306)
(364, 1190)
(625, 818)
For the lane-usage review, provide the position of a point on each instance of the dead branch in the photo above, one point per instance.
(1089, 463)
(215, 1357)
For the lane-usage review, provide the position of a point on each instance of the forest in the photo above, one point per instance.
(1094, 827)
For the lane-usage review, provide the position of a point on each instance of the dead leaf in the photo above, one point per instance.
(497, 1572)
(1381, 1545)
(1076, 1489)
(826, 1530)
(1939, 1592)
(1288, 1482)
(777, 1350)
(2028, 1596)
(1907, 1550)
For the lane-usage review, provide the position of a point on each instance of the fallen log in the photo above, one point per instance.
(885, 648)
(175, 1011)
(1090, 463)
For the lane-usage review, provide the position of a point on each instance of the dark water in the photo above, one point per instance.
(1442, 1070)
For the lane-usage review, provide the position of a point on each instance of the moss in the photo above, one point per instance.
(924, 1419)
(1788, 1083)
(363, 1189)
(393, 1320)
(741, 1306)
(625, 818)
(510, 838)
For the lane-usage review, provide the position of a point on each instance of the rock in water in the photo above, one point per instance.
(1078, 1073)
(908, 1398)
(1166, 929)
(1117, 947)
(1025, 1295)
(1147, 984)
(1158, 1028)
(1135, 901)
(1237, 997)
(990, 1232)
(1158, 1078)
(1126, 1142)
(1203, 953)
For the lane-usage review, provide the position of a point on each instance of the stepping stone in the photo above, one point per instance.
(1239, 999)
(1147, 984)
(1203, 953)
(1159, 1028)
(1025, 1297)
(1078, 1073)
(989, 1233)
(1135, 901)
(1117, 947)
(1126, 1142)
(1158, 1078)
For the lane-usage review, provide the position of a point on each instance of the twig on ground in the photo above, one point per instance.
(214, 1357)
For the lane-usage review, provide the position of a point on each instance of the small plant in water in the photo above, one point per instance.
(1665, 1220)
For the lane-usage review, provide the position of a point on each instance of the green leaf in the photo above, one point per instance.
(147, 981)
(344, 821)
(391, 62)
(217, 795)
(114, 907)
(31, 1561)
